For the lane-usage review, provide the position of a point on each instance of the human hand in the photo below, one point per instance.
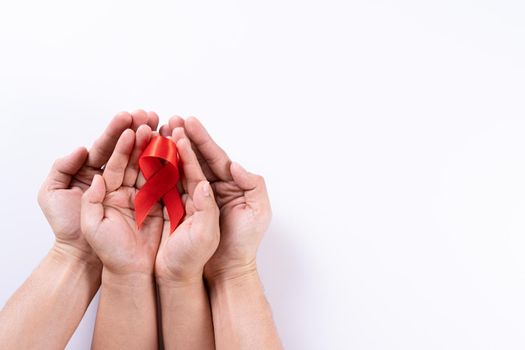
(183, 254)
(245, 211)
(108, 215)
(60, 194)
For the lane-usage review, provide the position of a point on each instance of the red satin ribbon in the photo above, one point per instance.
(160, 165)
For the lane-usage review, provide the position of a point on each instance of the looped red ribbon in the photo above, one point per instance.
(160, 165)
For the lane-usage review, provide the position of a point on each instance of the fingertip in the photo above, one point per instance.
(178, 134)
(144, 129)
(165, 131)
(175, 121)
(126, 141)
(205, 188)
(153, 120)
(123, 117)
(81, 149)
(96, 180)
(80, 153)
(203, 197)
(236, 167)
(97, 189)
(139, 117)
(245, 179)
(100, 182)
(143, 134)
(128, 134)
(139, 112)
(192, 120)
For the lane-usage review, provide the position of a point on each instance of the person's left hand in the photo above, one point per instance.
(60, 194)
(183, 254)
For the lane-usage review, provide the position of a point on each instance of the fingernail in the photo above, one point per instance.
(206, 189)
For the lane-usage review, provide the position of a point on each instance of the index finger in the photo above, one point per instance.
(190, 165)
(103, 147)
(217, 159)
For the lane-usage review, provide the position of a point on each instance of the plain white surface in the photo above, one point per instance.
(390, 134)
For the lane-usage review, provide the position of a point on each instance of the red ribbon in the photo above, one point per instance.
(160, 165)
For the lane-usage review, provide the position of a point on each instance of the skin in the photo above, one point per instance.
(185, 309)
(236, 294)
(51, 302)
(126, 316)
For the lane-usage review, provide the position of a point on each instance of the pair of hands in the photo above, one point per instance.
(88, 199)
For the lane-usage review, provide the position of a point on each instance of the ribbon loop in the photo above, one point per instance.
(159, 164)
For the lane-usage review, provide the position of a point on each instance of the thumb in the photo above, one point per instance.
(254, 187)
(64, 168)
(92, 210)
(205, 219)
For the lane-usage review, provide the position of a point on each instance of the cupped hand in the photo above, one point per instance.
(60, 194)
(245, 211)
(183, 254)
(108, 213)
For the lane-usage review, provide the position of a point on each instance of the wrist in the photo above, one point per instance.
(232, 274)
(180, 280)
(68, 254)
(126, 280)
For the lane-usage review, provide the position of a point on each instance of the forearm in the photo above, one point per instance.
(242, 317)
(126, 316)
(186, 315)
(45, 311)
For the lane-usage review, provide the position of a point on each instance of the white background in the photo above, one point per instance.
(391, 135)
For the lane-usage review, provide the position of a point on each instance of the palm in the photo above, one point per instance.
(65, 205)
(179, 253)
(184, 250)
(118, 242)
(237, 220)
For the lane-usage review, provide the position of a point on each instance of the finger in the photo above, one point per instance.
(254, 188)
(177, 134)
(140, 117)
(190, 165)
(215, 156)
(105, 144)
(92, 209)
(205, 219)
(64, 169)
(165, 130)
(175, 122)
(153, 120)
(142, 138)
(114, 171)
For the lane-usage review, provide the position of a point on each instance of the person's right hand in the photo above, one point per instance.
(60, 194)
(108, 211)
(242, 198)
